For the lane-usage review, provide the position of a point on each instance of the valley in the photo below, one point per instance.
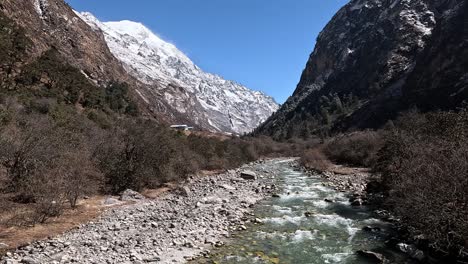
(281, 215)
(117, 147)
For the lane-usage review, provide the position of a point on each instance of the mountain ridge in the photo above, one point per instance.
(361, 70)
(212, 101)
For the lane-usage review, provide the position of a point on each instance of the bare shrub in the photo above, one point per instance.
(358, 148)
(79, 177)
(314, 159)
(141, 154)
(27, 146)
(425, 164)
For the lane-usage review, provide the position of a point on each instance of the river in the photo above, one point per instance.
(301, 227)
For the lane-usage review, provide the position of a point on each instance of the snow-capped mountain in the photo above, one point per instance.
(206, 99)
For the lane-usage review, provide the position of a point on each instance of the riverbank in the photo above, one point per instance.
(359, 184)
(306, 222)
(173, 228)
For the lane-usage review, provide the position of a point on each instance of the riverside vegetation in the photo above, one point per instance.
(64, 137)
(423, 163)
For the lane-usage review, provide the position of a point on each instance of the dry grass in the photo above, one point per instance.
(15, 236)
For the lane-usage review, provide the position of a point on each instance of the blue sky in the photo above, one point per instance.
(262, 44)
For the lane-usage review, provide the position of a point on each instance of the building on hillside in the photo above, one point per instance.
(182, 127)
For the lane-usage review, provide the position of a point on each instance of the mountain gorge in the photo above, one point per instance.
(374, 59)
(208, 99)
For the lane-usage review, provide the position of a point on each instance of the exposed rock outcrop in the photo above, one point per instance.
(374, 59)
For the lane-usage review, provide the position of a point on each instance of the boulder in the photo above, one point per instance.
(248, 175)
(227, 187)
(371, 229)
(28, 260)
(184, 191)
(308, 214)
(357, 202)
(111, 201)
(412, 251)
(212, 200)
(131, 195)
(371, 256)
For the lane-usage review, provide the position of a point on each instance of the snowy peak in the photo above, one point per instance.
(206, 99)
(144, 35)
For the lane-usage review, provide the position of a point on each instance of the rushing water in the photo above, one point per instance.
(331, 234)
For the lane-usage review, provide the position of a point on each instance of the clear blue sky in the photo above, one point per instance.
(262, 44)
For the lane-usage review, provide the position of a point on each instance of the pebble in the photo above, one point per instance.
(138, 233)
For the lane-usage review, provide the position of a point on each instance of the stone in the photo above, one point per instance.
(371, 256)
(308, 214)
(257, 221)
(111, 201)
(329, 200)
(211, 200)
(28, 260)
(275, 195)
(371, 229)
(227, 187)
(357, 202)
(248, 175)
(131, 195)
(412, 251)
(184, 191)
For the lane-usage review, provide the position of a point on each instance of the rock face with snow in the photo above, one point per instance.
(374, 59)
(207, 99)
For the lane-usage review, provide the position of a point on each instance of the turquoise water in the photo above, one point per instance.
(331, 234)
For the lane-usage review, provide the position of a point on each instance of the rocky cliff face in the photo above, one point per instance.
(375, 58)
(209, 100)
(52, 23)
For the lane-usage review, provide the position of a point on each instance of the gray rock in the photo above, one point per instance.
(227, 187)
(184, 191)
(371, 256)
(357, 202)
(130, 195)
(308, 214)
(28, 260)
(412, 251)
(111, 201)
(248, 175)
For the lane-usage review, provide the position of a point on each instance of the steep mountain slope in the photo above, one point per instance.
(209, 100)
(374, 59)
(52, 24)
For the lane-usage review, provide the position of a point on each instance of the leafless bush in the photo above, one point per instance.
(314, 159)
(425, 166)
(27, 145)
(358, 148)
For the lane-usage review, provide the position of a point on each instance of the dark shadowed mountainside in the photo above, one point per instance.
(374, 59)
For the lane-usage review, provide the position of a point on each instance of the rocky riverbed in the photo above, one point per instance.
(174, 228)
